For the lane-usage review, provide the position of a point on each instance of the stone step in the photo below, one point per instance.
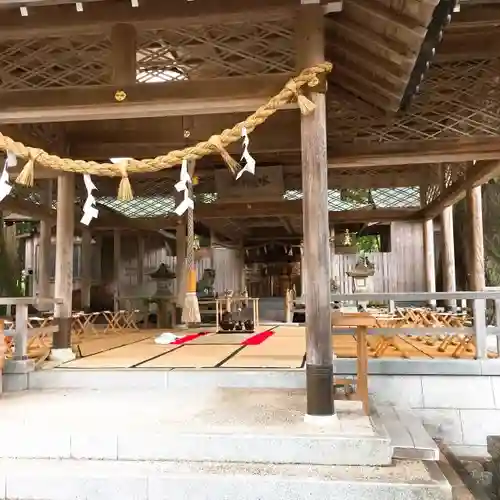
(409, 438)
(124, 480)
(221, 425)
(183, 442)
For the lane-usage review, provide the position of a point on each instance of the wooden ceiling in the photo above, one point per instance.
(375, 44)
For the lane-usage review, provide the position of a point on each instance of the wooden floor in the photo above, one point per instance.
(285, 348)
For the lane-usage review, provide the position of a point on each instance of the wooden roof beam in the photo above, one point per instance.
(478, 174)
(415, 152)
(396, 52)
(28, 208)
(385, 21)
(284, 209)
(475, 17)
(457, 46)
(99, 17)
(210, 214)
(146, 100)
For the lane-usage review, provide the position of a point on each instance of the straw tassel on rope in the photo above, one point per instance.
(125, 192)
(27, 174)
(306, 106)
(233, 165)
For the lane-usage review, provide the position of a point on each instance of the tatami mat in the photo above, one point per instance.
(89, 347)
(221, 339)
(192, 356)
(275, 352)
(256, 357)
(285, 348)
(123, 357)
(290, 331)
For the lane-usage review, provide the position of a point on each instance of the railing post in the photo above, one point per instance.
(21, 335)
(479, 308)
(497, 322)
(392, 306)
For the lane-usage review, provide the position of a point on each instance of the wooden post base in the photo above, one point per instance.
(62, 337)
(320, 390)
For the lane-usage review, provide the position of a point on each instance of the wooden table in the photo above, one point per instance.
(361, 321)
(227, 303)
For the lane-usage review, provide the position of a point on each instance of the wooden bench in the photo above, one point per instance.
(361, 321)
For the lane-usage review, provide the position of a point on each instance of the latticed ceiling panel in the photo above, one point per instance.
(150, 205)
(354, 199)
(55, 62)
(199, 52)
(456, 99)
(448, 175)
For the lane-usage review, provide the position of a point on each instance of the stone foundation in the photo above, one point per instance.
(494, 451)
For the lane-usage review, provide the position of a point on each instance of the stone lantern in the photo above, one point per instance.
(163, 278)
(164, 297)
(361, 276)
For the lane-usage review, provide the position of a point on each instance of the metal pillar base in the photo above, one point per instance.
(320, 391)
(62, 338)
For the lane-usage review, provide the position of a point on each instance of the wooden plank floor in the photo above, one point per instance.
(284, 349)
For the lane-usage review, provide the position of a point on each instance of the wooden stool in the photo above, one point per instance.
(362, 321)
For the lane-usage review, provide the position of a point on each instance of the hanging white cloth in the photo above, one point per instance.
(89, 209)
(249, 159)
(5, 186)
(182, 185)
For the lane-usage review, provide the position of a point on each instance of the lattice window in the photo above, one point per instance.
(456, 99)
(151, 205)
(54, 62)
(352, 199)
(221, 50)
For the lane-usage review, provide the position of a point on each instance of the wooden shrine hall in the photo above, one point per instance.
(384, 142)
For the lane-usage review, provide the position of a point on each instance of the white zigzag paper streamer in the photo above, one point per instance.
(182, 185)
(89, 210)
(249, 160)
(5, 186)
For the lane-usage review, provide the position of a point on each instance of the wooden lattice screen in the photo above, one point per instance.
(456, 99)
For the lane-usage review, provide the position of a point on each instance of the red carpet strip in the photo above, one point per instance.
(187, 338)
(258, 338)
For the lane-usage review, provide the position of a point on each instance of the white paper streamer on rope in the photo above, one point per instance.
(89, 210)
(249, 160)
(5, 186)
(182, 185)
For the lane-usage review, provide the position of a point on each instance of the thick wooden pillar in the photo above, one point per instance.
(45, 246)
(429, 258)
(319, 355)
(303, 272)
(86, 281)
(117, 257)
(141, 247)
(449, 274)
(475, 213)
(64, 264)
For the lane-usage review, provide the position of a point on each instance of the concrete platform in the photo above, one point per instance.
(124, 480)
(222, 425)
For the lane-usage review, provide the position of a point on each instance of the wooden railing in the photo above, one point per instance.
(479, 329)
(21, 332)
